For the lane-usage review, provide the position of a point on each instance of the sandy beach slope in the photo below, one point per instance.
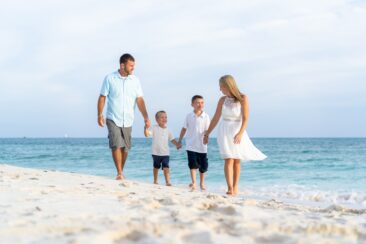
(47, 206)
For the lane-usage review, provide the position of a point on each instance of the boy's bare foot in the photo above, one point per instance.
(192, 186)
(203, 187)
(168, 184)
(119, 177)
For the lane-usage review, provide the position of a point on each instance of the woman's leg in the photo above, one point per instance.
(236, 175)
(229, 162)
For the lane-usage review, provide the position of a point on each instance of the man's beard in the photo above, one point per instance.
(128, 72)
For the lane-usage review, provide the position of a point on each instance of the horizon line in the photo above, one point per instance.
(259, 137)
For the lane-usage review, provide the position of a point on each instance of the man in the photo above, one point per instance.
(123, 91)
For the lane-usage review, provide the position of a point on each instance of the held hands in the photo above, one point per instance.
(178, 146)
(237, 138)
(101, 120)
(147, 123)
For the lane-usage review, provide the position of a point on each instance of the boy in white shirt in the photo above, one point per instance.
(195, 125)
(160, 145)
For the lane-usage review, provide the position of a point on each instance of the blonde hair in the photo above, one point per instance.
(229, 82)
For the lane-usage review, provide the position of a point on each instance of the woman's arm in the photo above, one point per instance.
(214, 120)
(244, 120)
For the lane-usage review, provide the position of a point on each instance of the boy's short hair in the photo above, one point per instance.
(125, 57)
(158, 113)
(196, 97)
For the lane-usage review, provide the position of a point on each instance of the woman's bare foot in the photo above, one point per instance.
(168, 184)
(192, 186)
(230, 192)
(236, 190)
(119, 177)
(156, 183)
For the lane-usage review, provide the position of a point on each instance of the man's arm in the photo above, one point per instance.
(141, 105)
(101, 102)
(146, 132)
(182, 133)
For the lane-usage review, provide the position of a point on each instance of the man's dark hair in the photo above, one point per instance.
(158, 113)
(196, 97)
(125, 57)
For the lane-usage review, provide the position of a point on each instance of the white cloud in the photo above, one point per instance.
(284, 54)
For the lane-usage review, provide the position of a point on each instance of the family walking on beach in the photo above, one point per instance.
(123, 92)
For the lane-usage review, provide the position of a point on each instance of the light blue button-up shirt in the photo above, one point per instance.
(121, 93)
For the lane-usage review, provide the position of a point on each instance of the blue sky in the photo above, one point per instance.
(301, 63)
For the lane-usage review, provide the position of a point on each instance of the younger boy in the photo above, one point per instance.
(160, 146)
(195, 124)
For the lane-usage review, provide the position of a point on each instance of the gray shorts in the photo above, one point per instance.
(119, 137)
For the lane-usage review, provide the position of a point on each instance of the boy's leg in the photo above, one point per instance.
(192, 164)
(165, 166)
(157, 163)
(202, 181)
(203, 166)
(156, 172)
(167, 176)
(193, 177)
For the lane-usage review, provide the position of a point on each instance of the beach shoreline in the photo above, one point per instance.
(52, 206)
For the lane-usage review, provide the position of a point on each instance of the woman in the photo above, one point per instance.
(234, 142)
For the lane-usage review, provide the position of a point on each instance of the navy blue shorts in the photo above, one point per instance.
(197, 160)
(161, 161)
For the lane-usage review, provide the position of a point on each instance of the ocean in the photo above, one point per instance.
(316, 171)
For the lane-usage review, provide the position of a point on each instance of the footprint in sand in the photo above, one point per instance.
(121, 197)
(167, 201)
(135, 236)
(200, 237)
(227, 210)
(125, 184)
(33, 178)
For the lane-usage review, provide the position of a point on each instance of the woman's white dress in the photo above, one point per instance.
(229, 126)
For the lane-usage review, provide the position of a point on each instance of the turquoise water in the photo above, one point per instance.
(329, 169)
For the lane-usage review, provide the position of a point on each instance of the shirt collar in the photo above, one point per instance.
(201, 116)
(120, 76)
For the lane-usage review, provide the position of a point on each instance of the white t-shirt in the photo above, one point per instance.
(196, 126)
(161, 138)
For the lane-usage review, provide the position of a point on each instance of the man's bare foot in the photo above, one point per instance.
(119, 177)
(192, 186)
(203, 187)
(168, 184)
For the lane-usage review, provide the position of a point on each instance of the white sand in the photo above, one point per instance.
(48, 206)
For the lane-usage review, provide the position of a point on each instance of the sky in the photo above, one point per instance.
(301, 63)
